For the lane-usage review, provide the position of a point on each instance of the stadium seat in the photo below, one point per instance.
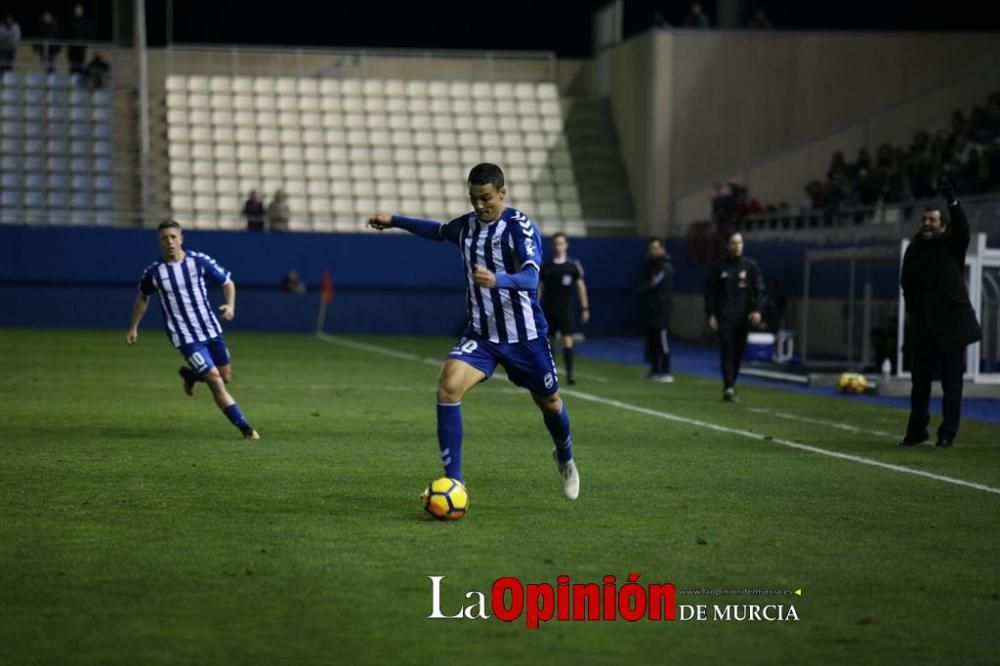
(242, 85)
(354, 120)
(317, 170)
(34, 199)
(416, 105)
(57, 180)
(265, 102)
(524, 90)
(56, 111)
(103, 165)
(289, 137)
(80, 200)
(197, 84)
(288, 119)
(361, 172)
(357, 138)
(570, 210)
(220, 101)
(243, 119)
(220, 84)
(333, 120)
(267, 120)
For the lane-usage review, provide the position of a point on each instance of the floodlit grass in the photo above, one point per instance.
(136, 526)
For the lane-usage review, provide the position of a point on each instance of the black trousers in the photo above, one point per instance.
(922, 366)
(732, 344)
(658, 351)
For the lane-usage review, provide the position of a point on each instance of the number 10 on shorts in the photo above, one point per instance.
(464, 346)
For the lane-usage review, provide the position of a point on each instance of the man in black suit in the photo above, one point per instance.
(942, 322)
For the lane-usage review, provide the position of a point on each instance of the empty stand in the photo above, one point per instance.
(57, 151)
(343, 148)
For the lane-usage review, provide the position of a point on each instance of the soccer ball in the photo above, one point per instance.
(446, 499)
(852, 382)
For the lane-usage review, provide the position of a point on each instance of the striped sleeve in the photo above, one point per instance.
(527, 240)
(147, 287)
(212, 269)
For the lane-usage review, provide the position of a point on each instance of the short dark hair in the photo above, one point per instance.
(487, 174)
(168, 224)
(944, 215)
(560, 234)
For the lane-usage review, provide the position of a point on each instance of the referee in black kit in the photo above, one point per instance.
(734, 296)
(561, 277)
(941, 321)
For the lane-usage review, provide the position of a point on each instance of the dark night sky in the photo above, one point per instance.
(497, 25)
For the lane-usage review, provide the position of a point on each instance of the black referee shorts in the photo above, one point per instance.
(560, 320)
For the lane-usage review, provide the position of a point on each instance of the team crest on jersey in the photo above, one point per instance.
(724, 274)
(549, 380)
(743, 275)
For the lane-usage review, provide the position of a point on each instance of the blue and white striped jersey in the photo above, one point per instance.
(507, 245)
(187, 312)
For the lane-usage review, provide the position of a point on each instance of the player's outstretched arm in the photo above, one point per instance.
(429, 229)
(138, 312)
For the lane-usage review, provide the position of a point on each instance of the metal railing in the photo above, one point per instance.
(898, 220)
(325, 62)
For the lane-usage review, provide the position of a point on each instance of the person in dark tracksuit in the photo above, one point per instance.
(734, 296)
(942, 322)
(656, 287)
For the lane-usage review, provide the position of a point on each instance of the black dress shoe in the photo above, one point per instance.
(913, 440)
(944, 443)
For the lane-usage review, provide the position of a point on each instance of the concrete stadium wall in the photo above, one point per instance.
(719, 103)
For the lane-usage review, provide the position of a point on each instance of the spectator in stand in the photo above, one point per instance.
(760, 21)
(292, 283)
(10, 35)
(48, 33)
(95, 74)
(864, 161)
(838, 165)
(278, 212)
(79, 32)
(253, 211)
(697, 18)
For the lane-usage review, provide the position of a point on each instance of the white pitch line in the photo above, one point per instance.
(701, 424)
(823, 422)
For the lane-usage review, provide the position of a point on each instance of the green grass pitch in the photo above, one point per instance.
(137, 527)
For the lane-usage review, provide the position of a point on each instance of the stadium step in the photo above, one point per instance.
(597, 162)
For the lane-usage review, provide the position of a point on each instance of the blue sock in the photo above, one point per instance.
(234, 414)
(559, 429)
(450, 439)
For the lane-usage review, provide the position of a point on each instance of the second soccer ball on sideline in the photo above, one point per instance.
(852, 382)
(446, 499)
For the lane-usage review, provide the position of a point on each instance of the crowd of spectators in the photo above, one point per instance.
(967, 150)
(50, 39)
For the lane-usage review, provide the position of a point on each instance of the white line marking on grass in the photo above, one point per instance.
(823, 422)
(699, 423)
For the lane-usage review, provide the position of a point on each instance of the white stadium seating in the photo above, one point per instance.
(341, 147)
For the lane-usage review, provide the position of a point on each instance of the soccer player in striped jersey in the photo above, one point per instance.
(501, 252)
(178, 278)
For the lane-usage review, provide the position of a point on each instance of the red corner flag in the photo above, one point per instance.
(327, 287)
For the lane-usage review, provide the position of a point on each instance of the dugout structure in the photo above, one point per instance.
(848, 318)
